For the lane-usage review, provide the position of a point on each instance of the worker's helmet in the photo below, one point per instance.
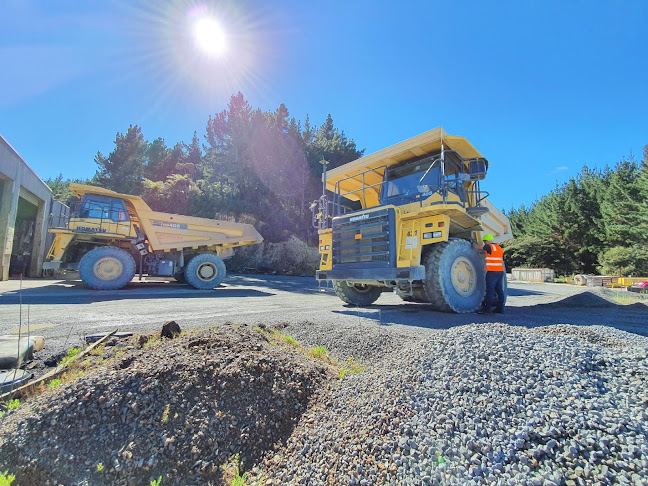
(488, 237)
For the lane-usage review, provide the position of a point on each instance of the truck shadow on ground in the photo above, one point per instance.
(300, 285)
(580, 310)
(72, 292)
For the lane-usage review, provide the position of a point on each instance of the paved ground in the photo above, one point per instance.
(66, 311)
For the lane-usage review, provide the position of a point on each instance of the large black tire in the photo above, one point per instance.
(418, 295)
(455, 277)
(107, 268)
(205, 271)
(356, 294)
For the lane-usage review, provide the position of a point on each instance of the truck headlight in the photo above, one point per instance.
(435, 234)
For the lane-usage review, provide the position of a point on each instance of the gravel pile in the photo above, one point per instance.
(476, 404)
(178, 409)
(480, 404)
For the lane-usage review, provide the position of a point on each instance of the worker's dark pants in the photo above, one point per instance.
(494, 283)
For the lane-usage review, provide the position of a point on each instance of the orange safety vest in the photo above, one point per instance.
(495, 260)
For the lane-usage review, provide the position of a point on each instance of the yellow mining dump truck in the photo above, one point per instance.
(404, 219)
(110, 236)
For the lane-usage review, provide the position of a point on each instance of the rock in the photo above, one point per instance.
(170, 330)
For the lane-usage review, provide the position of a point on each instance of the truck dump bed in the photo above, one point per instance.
(166, 232)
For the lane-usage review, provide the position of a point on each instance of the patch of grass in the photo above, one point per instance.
(119, 354)
(156, 482)
(625, 299)
(234, 470)
(165, 414)
(285, 338)
(56, 382)
(351, 367)
(99, 350)
(318, 352)
(13, 404)
(6, 479)
(70, 357)
(153, 341)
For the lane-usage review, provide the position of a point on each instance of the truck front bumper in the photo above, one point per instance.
(380, 274)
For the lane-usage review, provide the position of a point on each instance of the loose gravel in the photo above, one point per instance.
(475, 404)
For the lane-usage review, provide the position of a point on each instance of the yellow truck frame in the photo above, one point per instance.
(404, 219)
(110, 235)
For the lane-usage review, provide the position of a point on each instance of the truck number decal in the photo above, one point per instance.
(164, 224)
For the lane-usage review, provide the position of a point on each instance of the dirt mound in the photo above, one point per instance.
(589, 299)
(178, 409)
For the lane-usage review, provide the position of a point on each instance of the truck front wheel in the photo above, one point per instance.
(205, 271)
(455, 277)
(107, 268)
(356, 294)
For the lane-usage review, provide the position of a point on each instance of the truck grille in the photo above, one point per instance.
(365, 238)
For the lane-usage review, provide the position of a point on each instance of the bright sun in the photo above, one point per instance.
(209, 36)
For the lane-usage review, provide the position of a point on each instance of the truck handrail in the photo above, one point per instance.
(337, 195)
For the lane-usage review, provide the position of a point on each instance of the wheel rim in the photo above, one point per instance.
(362, 288)
(464, 276)
(108, 268)
(206, 271)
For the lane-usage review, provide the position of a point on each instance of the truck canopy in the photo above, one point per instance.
(419, 146)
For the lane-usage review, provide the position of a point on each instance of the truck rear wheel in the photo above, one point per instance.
(356, 294)
(205, 271)
(455, 277)
(107, 268)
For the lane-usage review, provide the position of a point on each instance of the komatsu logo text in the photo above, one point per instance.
(92, 230)
(359, 218)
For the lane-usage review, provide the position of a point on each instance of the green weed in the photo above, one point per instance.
(285, 338)
(100, 467)
(56, 382)
(351, 368)
(70, 357)
(119, 354)
(238, 479)
(99, 350)
(13, 404)
(165, 414)
(156, 482)
(6, 479)
(318, 352)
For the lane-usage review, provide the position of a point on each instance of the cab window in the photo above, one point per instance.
(101, 207)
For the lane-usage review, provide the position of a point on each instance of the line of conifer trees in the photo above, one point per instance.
(596, 222)
(263, 168)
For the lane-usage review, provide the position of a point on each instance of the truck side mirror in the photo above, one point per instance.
(477, 169)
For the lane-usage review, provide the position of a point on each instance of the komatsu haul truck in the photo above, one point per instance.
(404, 219)
(109, 237)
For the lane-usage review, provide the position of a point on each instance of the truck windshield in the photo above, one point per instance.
(102, 207)
(403, 180)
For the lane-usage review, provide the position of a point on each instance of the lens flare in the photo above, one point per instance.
(209, 36)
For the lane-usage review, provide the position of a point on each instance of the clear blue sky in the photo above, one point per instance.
(539, 87)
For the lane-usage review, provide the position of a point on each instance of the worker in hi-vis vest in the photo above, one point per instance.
(494, 276)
